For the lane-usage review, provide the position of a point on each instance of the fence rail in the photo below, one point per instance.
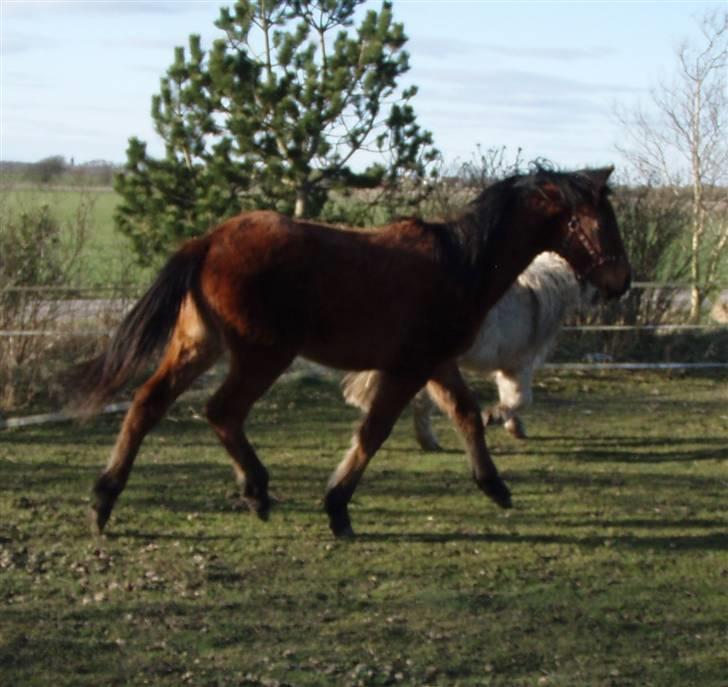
(70, 289)
(90, 333)
(52, 314)
(643, 327)
(673, 285)
(636, 366)
(51, 333)
(99, 308)
(129, 288)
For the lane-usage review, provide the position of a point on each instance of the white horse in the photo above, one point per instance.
(513, 342)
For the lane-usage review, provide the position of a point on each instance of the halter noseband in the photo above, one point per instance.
(575, 230)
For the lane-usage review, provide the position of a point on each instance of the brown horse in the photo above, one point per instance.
(405, 300)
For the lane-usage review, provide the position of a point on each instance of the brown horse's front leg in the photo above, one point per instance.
(185, 360)
(448, 389)
(389, 399)
(150, 403)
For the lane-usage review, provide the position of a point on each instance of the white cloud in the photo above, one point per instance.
(482, 83)
(41, 8)
(439, 47)
(13, 45)
(568, 54)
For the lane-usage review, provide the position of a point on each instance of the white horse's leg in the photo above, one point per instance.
(515, 393)
(422, 407)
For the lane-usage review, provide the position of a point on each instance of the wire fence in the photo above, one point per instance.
(42, 329)
(56, 312)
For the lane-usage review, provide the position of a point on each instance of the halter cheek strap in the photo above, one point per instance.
(576, 231)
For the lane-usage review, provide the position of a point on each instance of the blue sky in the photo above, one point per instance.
(76, 78)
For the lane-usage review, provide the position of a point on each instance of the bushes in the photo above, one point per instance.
(37, 254)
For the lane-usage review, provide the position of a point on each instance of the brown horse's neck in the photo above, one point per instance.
(508, 250)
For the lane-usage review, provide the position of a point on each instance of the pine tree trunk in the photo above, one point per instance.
(301, 202)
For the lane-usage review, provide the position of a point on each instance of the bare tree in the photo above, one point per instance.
(683, 141)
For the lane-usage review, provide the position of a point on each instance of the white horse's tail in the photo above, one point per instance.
(359, 388)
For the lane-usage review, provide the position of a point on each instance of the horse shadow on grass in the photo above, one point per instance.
(629, 449)
(714, 541)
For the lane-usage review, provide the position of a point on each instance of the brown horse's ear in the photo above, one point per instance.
(598, 177)
(549, 198)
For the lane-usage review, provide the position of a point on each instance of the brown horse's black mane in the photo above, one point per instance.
(463, 241)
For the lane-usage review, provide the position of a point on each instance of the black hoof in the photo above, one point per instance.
(342, 529)
(339, 521)
(429, 445)
(96, 521)
(259, 506)
(257, 500)
(336, 505)
(105, 493)
(497, 490)
(516, 428)
(490, 418)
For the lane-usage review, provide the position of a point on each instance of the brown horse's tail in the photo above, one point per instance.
(359, 388)
(143, 332)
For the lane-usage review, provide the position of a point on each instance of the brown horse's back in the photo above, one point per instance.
(328, 292)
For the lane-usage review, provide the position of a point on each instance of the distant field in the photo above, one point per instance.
(107, 256)
(610, 570)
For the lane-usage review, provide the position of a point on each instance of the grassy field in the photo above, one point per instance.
(64, 201)
(107, 256)
(611, 569)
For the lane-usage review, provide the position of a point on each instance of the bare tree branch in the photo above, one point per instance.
(684, 140)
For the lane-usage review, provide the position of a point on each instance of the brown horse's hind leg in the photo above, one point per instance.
(193, 349)
(252, 372)
(389, 399)
(448, 389)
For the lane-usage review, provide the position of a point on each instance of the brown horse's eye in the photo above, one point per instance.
(573, 223)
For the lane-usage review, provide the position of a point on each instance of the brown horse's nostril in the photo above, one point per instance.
(613, 279)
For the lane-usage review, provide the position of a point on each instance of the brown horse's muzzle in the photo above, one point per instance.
(612, 278)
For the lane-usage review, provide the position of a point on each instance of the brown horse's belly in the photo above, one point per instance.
(407, 344)
(352, 357)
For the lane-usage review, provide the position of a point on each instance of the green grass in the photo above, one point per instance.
(65, 200)
(107, 257)
(610, 569)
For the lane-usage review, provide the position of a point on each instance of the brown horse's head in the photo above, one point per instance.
(584, 228)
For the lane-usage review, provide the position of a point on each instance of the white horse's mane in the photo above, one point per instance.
(525, 321)
(558, 290)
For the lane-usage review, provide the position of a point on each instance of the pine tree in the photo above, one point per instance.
(277, 114)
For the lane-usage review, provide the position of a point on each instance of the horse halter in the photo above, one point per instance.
(596, 259)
